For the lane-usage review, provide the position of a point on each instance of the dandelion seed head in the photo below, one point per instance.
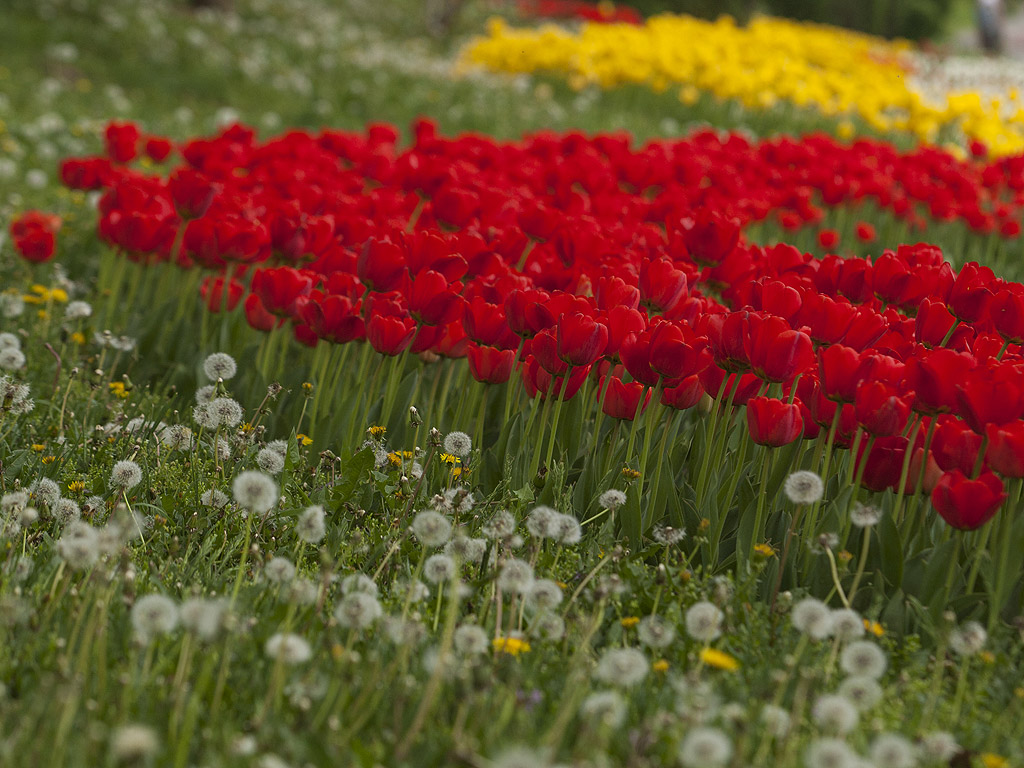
(254, 491)
(177, 437)
(515, 575)
(623, 667)
(544, 593)
(205, 395)
(864, 516)
(813, 618)
(65, 510)
(154, 615)
(471, 640)
(219, 366)
(431, 528)
(567, 530)
(311, 526)
(705, 747)
(890, 750)
(835, 714)
(458, 444)
(438, 568)
(803, 487)
(11, 305)
(125, 474)
(279, 570)
(203, 617)
(668, 536)
(655, 632)
(862, 691)
(9, 341)
(605, 708)
(357, 610)
(829, 753)
(78, 545)
(547, 625)
(11, 359)
(13, 501)
(466, 549)
(122, 343)
(847, 624)
(77, 310)
(27, 516)
(302, 591)
(229, 413)
(269, 461)
(541, 522)
(611, 499)
(863, 658)
(776, 720)
(968, 640)
(501, 526)
(213, 498)
(279, 446)
(133, 743)
(359, 582)
(45, 491)
(939, 746)
(288, 648)
(704, 621)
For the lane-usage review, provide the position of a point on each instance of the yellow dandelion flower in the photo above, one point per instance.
(705, 524)
(59, 295)
(117, 389)
(49, 459)
(307, 386)
(660, 666)
(304, 439)
(447, 458)
(764, 550)
(38, 447)
(76, 486)
(337, 651)
(377, 431)
(513, 646)
(719, 659)
(988, 657)
(630, 621)
(874, 628)
(992, 760)
(630, 474)
(78, 337)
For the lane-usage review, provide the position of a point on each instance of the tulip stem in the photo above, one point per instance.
(861, 563)
(554, 420)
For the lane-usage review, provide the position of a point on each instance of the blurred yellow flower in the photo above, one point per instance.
(992, 760)
(660, 666)
(630, 621)
(719, 659)
(874, 628)
(513, 646)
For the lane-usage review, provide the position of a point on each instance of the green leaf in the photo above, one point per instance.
(892, 551)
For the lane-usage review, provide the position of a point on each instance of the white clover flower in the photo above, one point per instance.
(288, 648)
(606, 708)
(77, 310)
(358, 610)
(655, 632)
(515, 575)
(125, 474)
(219, 366)
(611, 499)
(270, 461)
(861, 691)
(470, 640)
(704, 621)
(834, 714)
(79, 545)
(431, 528)
(542, 522)
(890, 750)
(803, 487)
(213, 498)
(358, 582)
(863, 659)
(11, 359)
(847, 624)
(968, 640)
(813, 618)
(544, 593)
(438, 568)
(623, 667)
(202, 617)
(829, 753)
(154, 615)
(229, 413)
(705, 747)
(864, 516)
(133, 743)
(458, 444)
(255, 491)
(279, 570)
(311, 526)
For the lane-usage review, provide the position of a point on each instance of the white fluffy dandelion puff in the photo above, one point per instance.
(804, 487)
(255, 491)
(219, 366)
(704, 621)
(154, 615)
(705, 747)
(288, 648)
(431, 528)
(623, 667)
(311, 526)
(125, 474)
(458, 444)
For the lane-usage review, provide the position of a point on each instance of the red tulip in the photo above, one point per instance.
(773, 422)
(381, 265)
(581, 339)
(621, 399)
(35, 235)
(1005, 451)
(968, 504)
(121, 141)
(881, 410)
(390, 335)
(490, 365)
(662, 286)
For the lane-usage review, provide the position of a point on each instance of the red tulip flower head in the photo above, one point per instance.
(774, 422)
(35, 235)
(968, 504)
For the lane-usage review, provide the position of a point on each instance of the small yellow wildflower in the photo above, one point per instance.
(988, 657)
(992, 760)
(377, 431)
(37, 447)
(630, 621)
(705, 524)
(844, 557)
(719, 659)
(78, 337)
(60, 295)
(48, 459)
(304, 439)
(660, 666)
(513, 646)
(76, 486)
(337, 651)
(447, 458)
(764, 550)
(42, 314)
(395, 458)
(307, 386)
(117, 389)
(873, 627)
(630, 474)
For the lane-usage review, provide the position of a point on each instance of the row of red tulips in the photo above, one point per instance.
(567, 258)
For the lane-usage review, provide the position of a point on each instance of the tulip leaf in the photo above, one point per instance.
(891, 550)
